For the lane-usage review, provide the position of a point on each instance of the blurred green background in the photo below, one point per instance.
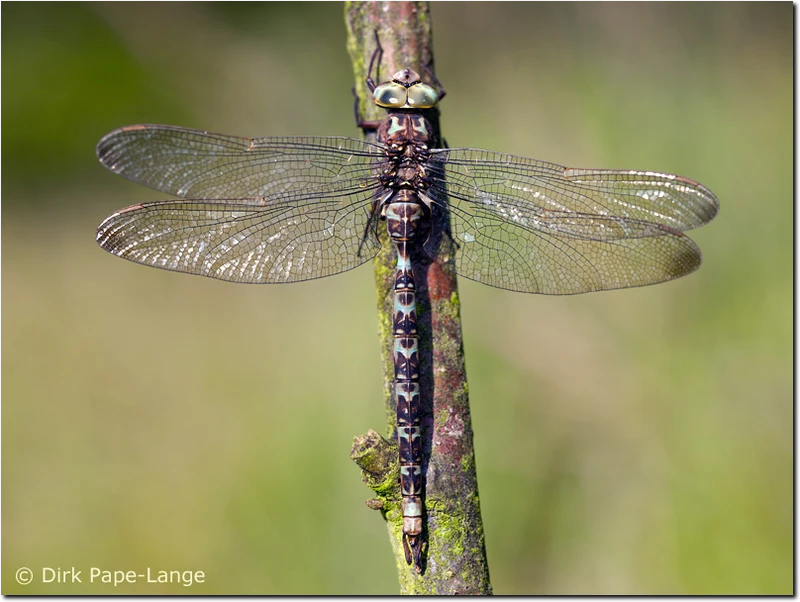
(637, 441)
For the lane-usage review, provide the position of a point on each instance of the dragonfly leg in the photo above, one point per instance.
(372, 223)
(378, 53)
(376, 56)
(366, 125)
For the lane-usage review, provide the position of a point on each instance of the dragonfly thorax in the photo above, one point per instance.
(405, 91)
(407, 138)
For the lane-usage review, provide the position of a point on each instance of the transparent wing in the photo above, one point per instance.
(538, 227)
(196, 164)
(297, 239)
(271, 209)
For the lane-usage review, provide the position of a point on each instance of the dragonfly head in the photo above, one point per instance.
(405, 91)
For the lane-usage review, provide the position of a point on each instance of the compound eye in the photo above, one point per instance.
(390, 96)
(422, 96)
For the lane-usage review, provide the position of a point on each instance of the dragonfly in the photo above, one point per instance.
(288, 209)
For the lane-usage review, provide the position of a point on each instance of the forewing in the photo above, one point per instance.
(197, 164)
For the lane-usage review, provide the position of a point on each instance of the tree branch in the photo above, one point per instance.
(456, 555)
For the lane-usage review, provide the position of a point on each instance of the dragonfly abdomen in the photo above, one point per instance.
(403, 212)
